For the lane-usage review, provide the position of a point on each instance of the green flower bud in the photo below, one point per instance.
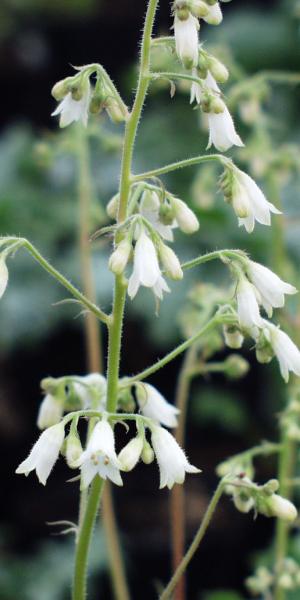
(217, 69)
(112, 206)
(120, 257)
(233, 337)
(61, 88)
(147, 455)
(73, 450)
(236, 366)
(217, 106)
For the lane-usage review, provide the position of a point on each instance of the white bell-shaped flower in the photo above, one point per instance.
(100, 457)
(149, 209)
(286, 351)
(222, 133)
(71, 110)
(146, 270)
(172, 462)
(50, 412)
(186, 40)
(153, 405)
(246, 192)
(247, 304)
(270, 287)
(3, 274)
(214, 16)
(44, 453)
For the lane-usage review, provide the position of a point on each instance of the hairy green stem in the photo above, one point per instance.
(216, 255)
(102, 316)
(181, 164)
(84, 540)
(95, 360)
(115, 325)
(214, 322)
(166, 595)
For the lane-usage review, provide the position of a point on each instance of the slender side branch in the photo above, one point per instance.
(100, 314)
(196, 542)
(214, 322)
(181, 164)
(218, 254)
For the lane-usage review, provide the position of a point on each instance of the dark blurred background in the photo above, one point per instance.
(39, 41)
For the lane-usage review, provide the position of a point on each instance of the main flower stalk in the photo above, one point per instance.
(115, 325)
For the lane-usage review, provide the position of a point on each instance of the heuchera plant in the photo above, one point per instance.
(145, 217)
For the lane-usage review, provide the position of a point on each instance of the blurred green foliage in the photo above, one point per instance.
(40, 576)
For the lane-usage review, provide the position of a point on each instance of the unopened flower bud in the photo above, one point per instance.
(112, 206)
(97, 103)
(233, 337)
(198, 8)
(217, 69)
(73, 450)
(130, 454)
(166, 213)
(147, 455)
(120, 257)
(186, 219)
(276, 506)
(236, 366)
(217, 106)
(271, 487)
(116, 110)
(61, 88)
(170, 262)
(264, 353)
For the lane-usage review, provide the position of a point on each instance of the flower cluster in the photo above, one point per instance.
(78, 97)
(205, 68)
(100, 456)
(246, 198)
(154, 217)
(257, 286)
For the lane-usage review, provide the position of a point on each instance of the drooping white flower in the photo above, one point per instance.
(214, 17)
(146, 270)
(91, 390)
(153, 405)
(3, 274)
(50, 412)
(100, 457)
(131, 453)
(149, 209)
(172, 462)
(71, 110)
(44, 453)
(271, 288)
(222, 132)
(247, 304)
(286, 351)
(282, 508)
(247, 192)
(186, 40)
